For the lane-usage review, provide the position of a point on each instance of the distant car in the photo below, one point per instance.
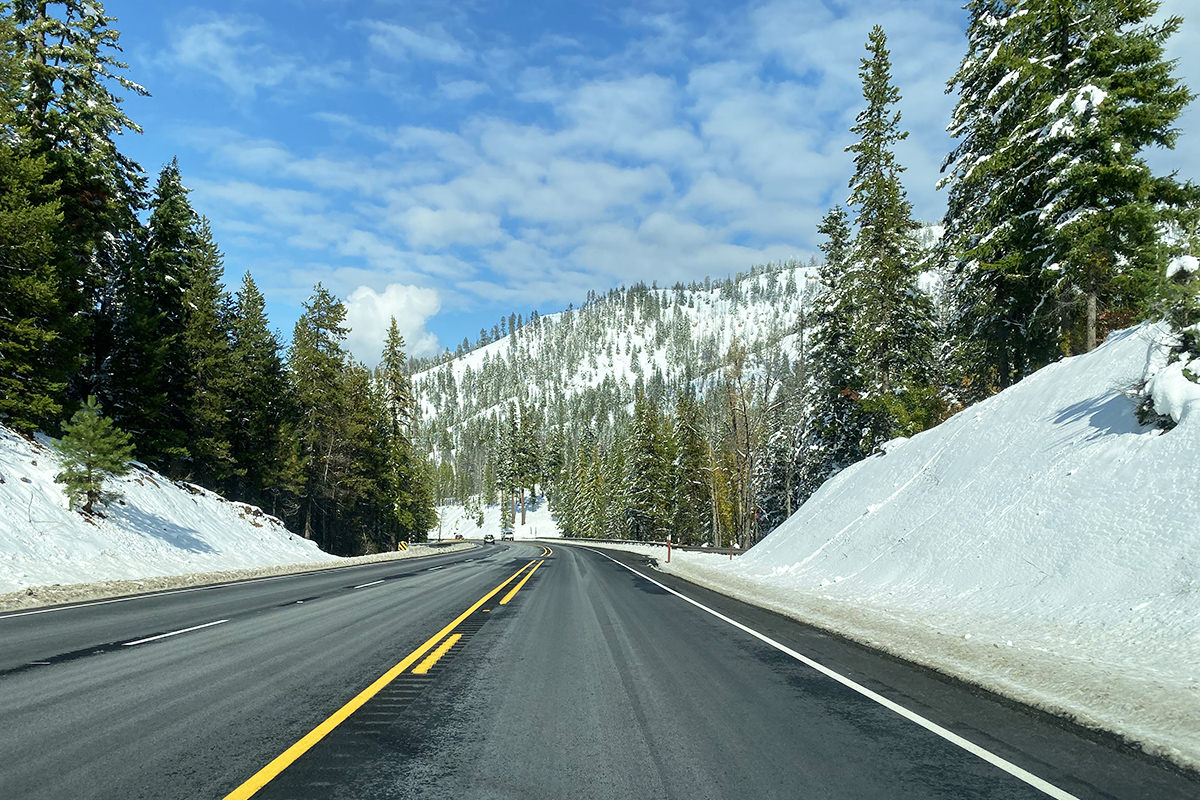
(506, 536)
(489, 539)
(458, 536)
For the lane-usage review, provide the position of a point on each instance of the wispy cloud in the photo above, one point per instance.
(234, 51)
(495, 167)
(401, 42)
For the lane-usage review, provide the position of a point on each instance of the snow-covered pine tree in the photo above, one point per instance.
(894, 330)
(692, 495)
(1053, 216)
(35, 373)
(834, 420)
(647, 476)
(1108, 93)
(999, 295)
(66, 62)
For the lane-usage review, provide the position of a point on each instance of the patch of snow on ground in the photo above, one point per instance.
(455, 519)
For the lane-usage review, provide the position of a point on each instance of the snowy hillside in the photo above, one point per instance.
(642, 333)
(159, 528)
(1042, 542)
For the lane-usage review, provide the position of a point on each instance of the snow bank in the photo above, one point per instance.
(1041, 543)
(159, 528)
(36, 596)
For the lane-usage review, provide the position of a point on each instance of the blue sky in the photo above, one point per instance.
(451, 163)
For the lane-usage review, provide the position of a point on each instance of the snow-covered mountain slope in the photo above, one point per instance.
(669, 335)
(159, 528)
(1042, 543)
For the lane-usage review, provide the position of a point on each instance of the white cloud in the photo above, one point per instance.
(400, 42)
(232, 50)
(462, 89)
(369, 313)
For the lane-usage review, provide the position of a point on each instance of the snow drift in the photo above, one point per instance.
(1042, 543)
(159, 528)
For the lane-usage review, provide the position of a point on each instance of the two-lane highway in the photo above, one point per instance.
(508, 671)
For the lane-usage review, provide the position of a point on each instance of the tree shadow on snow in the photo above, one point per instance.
(1109, 414)
(162, 528)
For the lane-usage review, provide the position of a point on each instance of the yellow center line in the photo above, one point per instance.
(549, 552)
(517, 588)
(432, 658)
(285, 759)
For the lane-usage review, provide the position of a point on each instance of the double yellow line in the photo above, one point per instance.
(289, 756)
(546, 551)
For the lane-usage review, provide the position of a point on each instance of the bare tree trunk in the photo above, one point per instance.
(1091, 322)
(522, 505)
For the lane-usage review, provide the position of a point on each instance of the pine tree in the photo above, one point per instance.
(409, 482)
(147, 372)
(1001, 298)
(647, 513)
(692, 496)
(67, 113)
(1052, 213)
(263, 443)
(835, 420)
(316, 360)
(91, 450)
(894, 330)
(34, 374)
(209, 376)
(1111, 94)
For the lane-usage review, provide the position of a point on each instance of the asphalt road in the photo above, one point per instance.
(591, 681)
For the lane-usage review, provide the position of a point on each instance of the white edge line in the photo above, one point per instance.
(929, 725)
(173, 633)
(372, 583)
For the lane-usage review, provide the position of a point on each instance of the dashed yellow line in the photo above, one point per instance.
(432, 658)
(289, 756)
(517, 588)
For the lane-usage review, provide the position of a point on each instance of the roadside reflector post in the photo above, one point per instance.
(668, 548)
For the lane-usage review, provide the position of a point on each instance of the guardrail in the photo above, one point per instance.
(697, 548)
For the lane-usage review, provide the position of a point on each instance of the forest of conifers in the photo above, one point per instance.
(1056, 231)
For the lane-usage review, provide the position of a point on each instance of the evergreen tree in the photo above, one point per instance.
(692, 495)
(1111, 94)
(91, 450)
(1052, 213)
(833, 436)
(67, 113)
(34, 374)
(263, 441)
(316, 360)
(209, 376)
(894, 330)
(409, 483)
(647, 512)
(1001, 298)
(147, 372)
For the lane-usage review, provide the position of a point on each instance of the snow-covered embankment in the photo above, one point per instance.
(1042, 543)
(159, 528)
